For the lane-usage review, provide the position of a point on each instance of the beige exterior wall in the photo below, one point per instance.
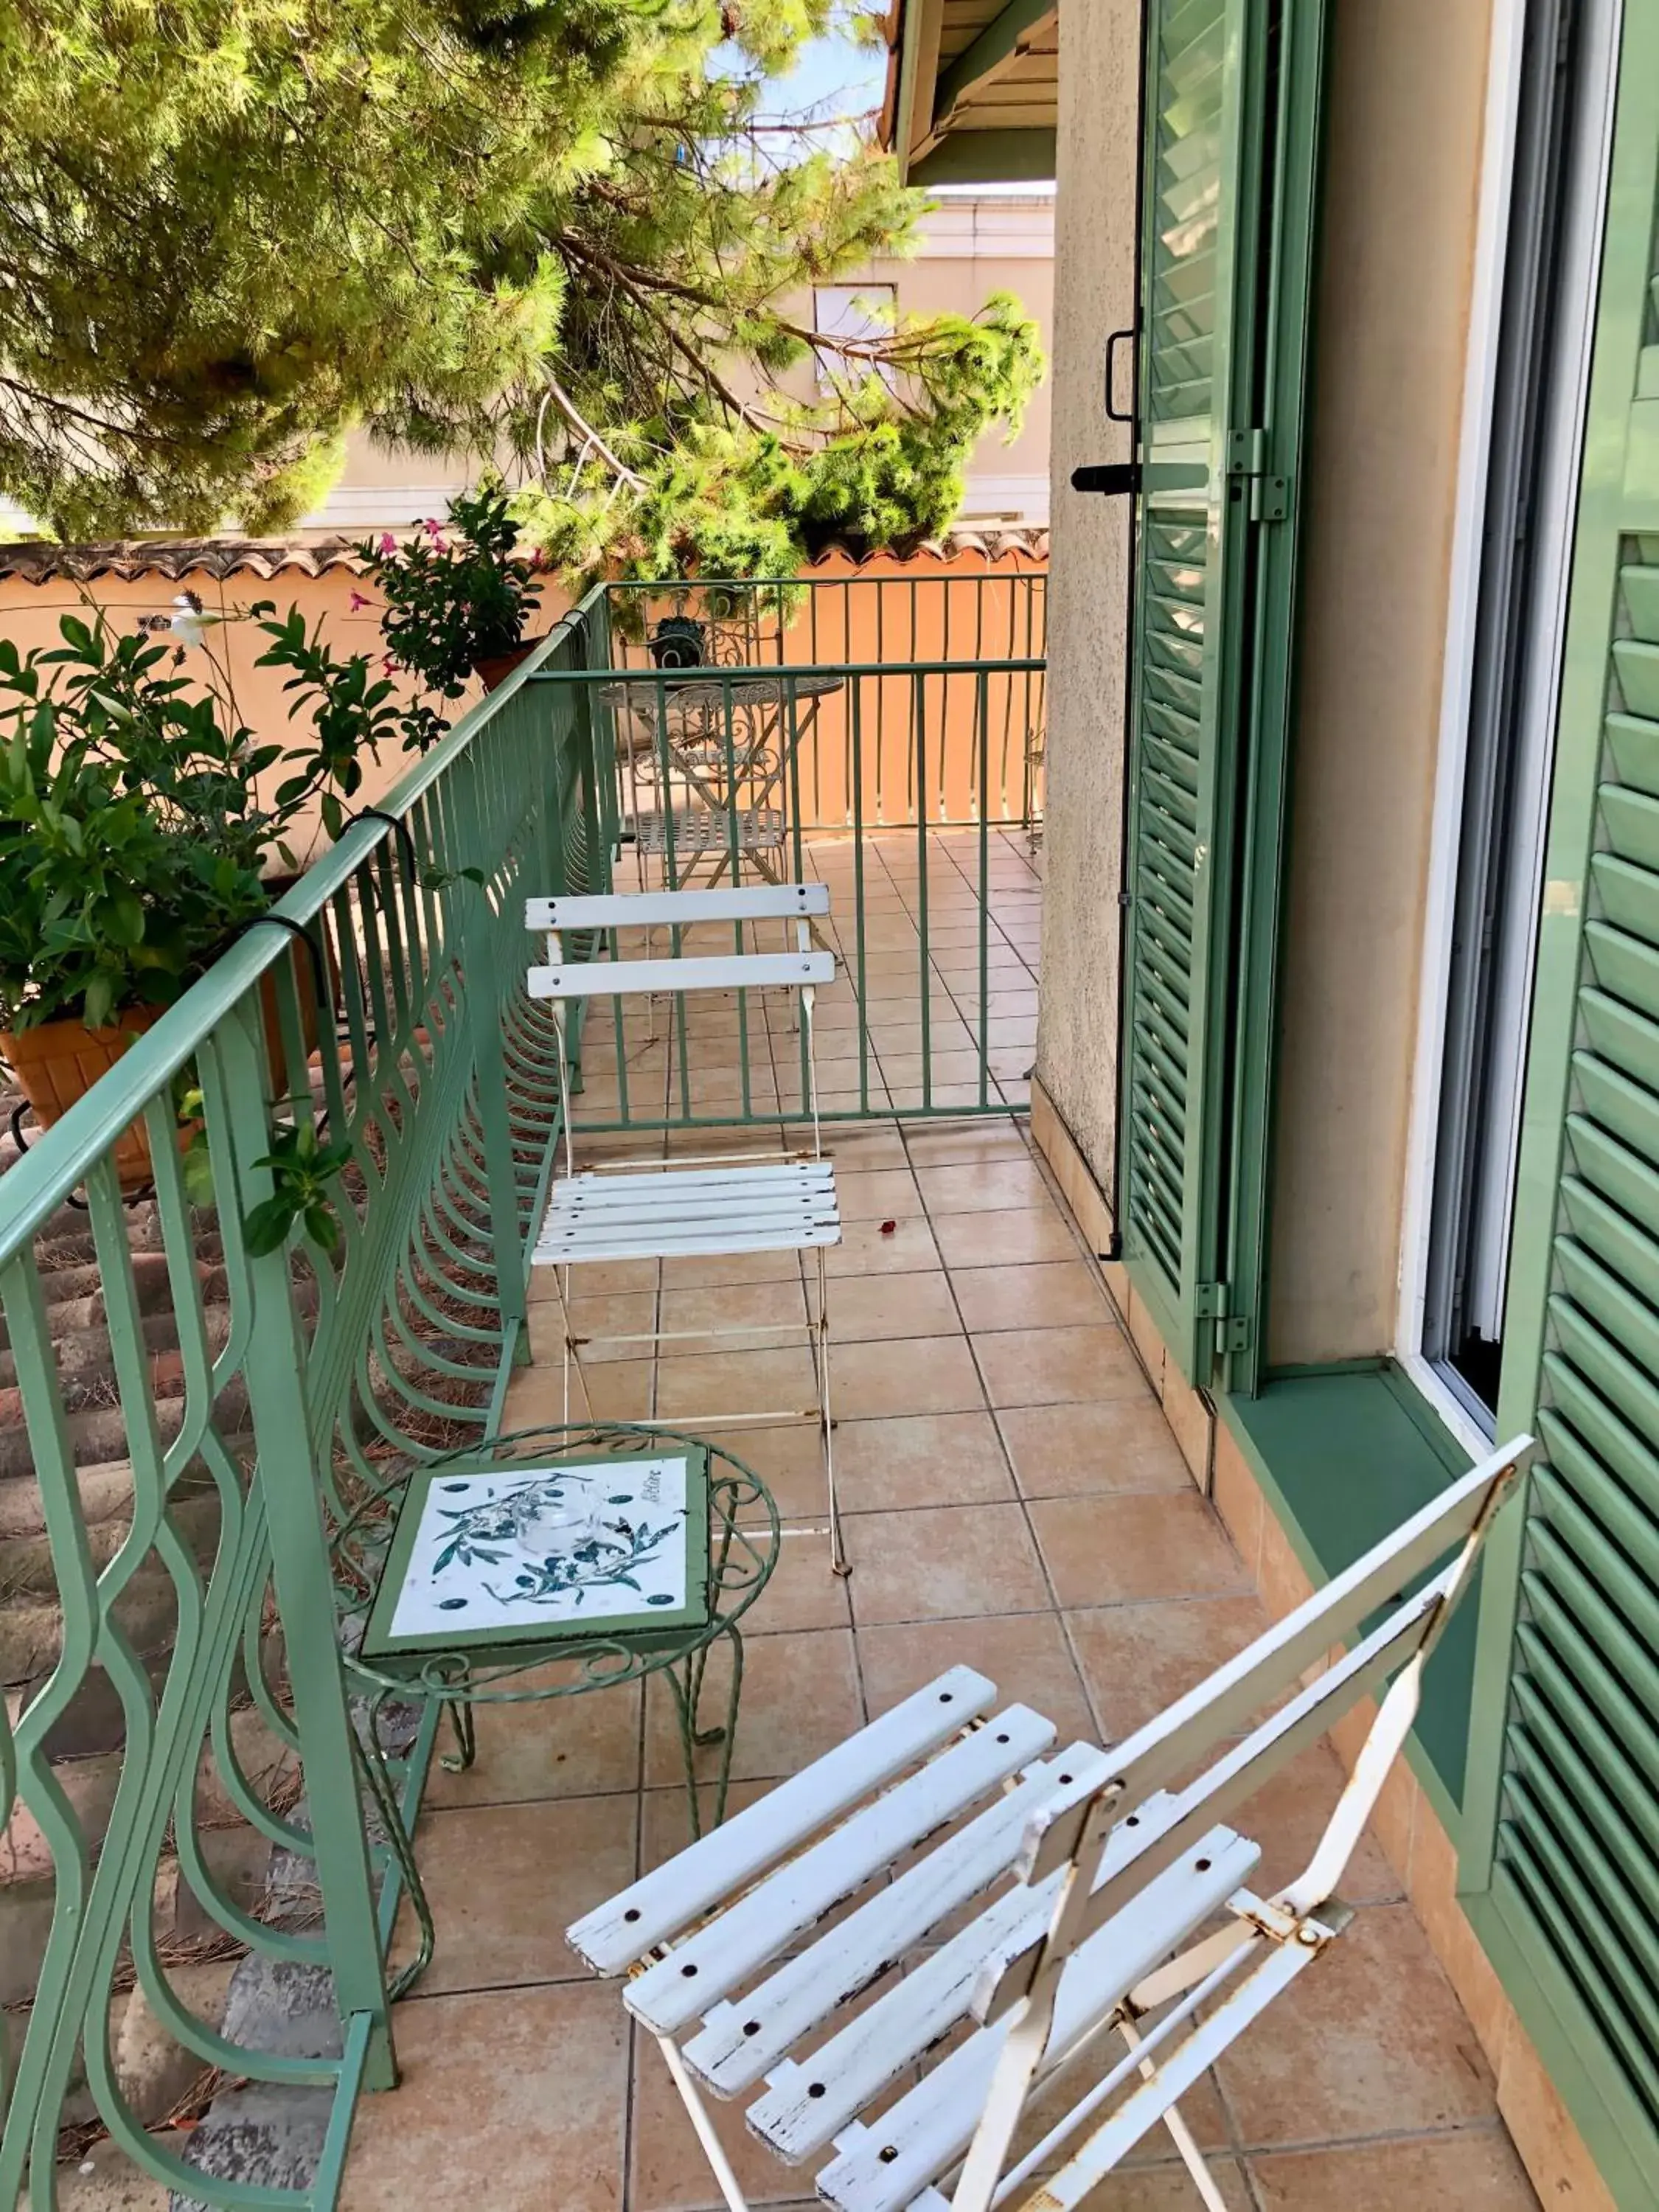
(1406, 104)
(1077, 1032)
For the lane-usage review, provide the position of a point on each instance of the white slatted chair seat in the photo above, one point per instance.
(1104, 1892)
(714, 1208)
(664, 1214)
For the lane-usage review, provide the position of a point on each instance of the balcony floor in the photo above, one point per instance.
(1014, 1499)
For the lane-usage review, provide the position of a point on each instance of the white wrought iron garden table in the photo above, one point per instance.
(730, 738)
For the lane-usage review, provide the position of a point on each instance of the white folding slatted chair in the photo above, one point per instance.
(738, 1202)
(1129, 1909)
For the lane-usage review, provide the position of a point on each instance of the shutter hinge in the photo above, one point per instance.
(1247, 459)
(1232, 1331)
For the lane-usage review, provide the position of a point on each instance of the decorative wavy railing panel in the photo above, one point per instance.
(174, 1713)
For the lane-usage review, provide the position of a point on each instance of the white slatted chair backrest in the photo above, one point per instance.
(1150, 1759)
(561, 979)
(1075, 1828)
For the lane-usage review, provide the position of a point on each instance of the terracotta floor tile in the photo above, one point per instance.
(945, 1073)
(505, 1881)
(802, 1592)
(879, 1194)
(1024, 1654)
(605, 1279)
(710, 1269)
(1053, 1294)
(699, 1386)
(801, 1697)
(668, 2169)
(565, 1747)
(1066, 1451)
(984, 1186)
(1370, 2037)
(865, 1151)
(617, 1390)
(920, 1459)
(598, 1318)
(1166, 2188)
(920, 1375)
(777, 1309)
(908, 1248)
(499, 2094)
(1104, 1550)
(788, 1459)
(1137, 1659)
(939, 1563)
(665, 1817)
(1470, 2170)
(962, 1144)
(869, 1308)
(1007, 1238)
(1058, 1366)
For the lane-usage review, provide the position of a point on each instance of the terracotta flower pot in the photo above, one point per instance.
(57, 1062)
(494, 668)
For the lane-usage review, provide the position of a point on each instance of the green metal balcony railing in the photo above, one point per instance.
(206, 1613)
(170, 1617)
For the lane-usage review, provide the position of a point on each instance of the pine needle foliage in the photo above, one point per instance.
(554, 232)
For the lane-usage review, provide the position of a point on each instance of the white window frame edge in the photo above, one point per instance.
(1503, 63)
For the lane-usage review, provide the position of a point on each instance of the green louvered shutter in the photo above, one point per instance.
(1574, 1860)
(1203, 446)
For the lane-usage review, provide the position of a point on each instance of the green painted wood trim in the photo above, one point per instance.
(1341, 1458)
(1297, 202)
(1168, 1268)
(1617, 2133)
(988, 157)
(904, 102)
(988, 50)
(1601, 522)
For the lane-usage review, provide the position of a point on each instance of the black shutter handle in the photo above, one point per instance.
(1115, 414)
(1108, 477)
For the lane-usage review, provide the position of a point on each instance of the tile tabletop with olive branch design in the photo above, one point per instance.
(572, 1549)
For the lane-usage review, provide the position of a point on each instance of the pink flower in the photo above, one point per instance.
(389, 665)
(435, 531)
(388, 543)
(357, 602)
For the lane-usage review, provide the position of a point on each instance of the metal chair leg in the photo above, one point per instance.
(838, 1561)
(697, 2112)
(688, 1697)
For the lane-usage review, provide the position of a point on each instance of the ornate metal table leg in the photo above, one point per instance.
(372, 1766)
(734, 1693)
(466, 1740)
(688, 1697)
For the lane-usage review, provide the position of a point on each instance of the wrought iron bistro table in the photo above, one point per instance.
(476, 1669)
(729, 736)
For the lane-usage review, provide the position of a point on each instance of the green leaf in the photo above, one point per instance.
(267, 1227)
(322, 1225)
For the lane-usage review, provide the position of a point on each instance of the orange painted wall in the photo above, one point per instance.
(927, 607)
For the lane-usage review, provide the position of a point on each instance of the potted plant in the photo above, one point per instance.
(458, 596)
(134, 848)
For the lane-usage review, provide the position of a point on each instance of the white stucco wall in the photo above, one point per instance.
(1094, 295)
